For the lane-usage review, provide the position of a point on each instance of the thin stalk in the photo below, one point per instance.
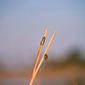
(39, 51)
(42, 59)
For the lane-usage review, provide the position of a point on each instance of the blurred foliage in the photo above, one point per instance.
(74, 57)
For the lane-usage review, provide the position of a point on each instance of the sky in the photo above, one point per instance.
(23, 22)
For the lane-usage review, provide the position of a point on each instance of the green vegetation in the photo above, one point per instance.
(72, 58)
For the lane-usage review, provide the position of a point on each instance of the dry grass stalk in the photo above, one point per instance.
(42, 59)
(39, 51)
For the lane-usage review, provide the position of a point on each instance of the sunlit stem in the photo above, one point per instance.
(42, 59)
(39, 51)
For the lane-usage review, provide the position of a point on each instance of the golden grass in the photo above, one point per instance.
(41, 61)
(38, 54)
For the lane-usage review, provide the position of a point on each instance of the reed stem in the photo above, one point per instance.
(42, 59)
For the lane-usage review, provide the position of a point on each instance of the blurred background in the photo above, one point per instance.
(22, 24)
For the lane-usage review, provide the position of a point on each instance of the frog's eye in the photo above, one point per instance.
(46, 56)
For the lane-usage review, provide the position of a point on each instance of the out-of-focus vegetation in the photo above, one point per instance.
(72, 58)
(68, 71)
